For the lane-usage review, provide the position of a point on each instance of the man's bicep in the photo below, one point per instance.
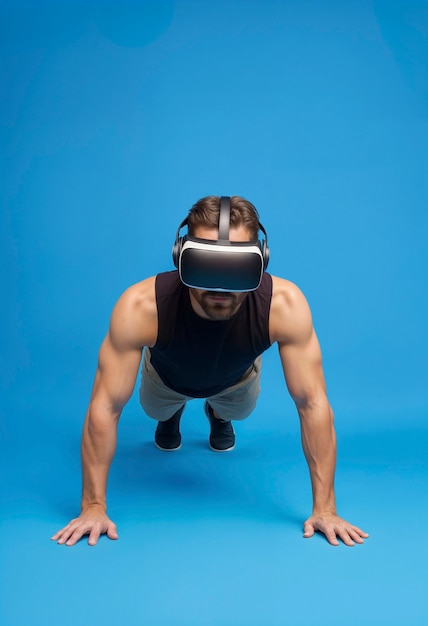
(132, 326)
(116, 374)
(302, 366)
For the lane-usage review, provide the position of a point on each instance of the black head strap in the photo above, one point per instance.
(224, 219)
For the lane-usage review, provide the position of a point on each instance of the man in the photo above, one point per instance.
(203, 329)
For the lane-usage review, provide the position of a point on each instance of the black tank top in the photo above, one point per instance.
(199, 357)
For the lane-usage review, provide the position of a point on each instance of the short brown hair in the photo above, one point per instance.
(206, 211)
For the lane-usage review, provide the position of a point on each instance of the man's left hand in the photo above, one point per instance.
(334, 527)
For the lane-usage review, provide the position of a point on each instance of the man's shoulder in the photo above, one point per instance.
(135, 313)
(139, 294)
(290, 314)
(286, 292)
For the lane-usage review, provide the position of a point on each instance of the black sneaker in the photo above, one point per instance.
(222, 436)
(167, 435)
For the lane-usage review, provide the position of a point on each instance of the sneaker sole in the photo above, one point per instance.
(219, 450)
(167, 449)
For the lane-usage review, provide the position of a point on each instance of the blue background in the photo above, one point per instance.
(115, 118)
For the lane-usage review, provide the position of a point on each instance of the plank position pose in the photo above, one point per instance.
(203, 329)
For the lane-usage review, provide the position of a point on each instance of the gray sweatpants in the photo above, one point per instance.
(234, 403)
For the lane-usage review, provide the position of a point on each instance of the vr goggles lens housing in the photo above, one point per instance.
(220, 266)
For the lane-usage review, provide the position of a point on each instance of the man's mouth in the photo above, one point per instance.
(219, 297)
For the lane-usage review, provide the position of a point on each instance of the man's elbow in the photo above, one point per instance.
(102, 418)
(313, 405)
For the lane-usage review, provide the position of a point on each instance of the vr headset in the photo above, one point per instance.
(221, 265)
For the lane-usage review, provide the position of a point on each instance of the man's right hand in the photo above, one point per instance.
(93, 521)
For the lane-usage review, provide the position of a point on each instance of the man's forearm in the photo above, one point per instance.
(319, 446)
(98, 448)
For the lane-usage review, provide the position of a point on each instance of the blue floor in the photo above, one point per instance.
(214, 539)
(115, 118)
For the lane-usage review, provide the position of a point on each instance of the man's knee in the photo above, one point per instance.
(236, 411)
(161, 414)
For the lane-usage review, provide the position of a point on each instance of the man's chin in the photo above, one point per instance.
(218, 312)
(218, 305)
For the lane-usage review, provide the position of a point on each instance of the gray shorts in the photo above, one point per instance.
(234, 403)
